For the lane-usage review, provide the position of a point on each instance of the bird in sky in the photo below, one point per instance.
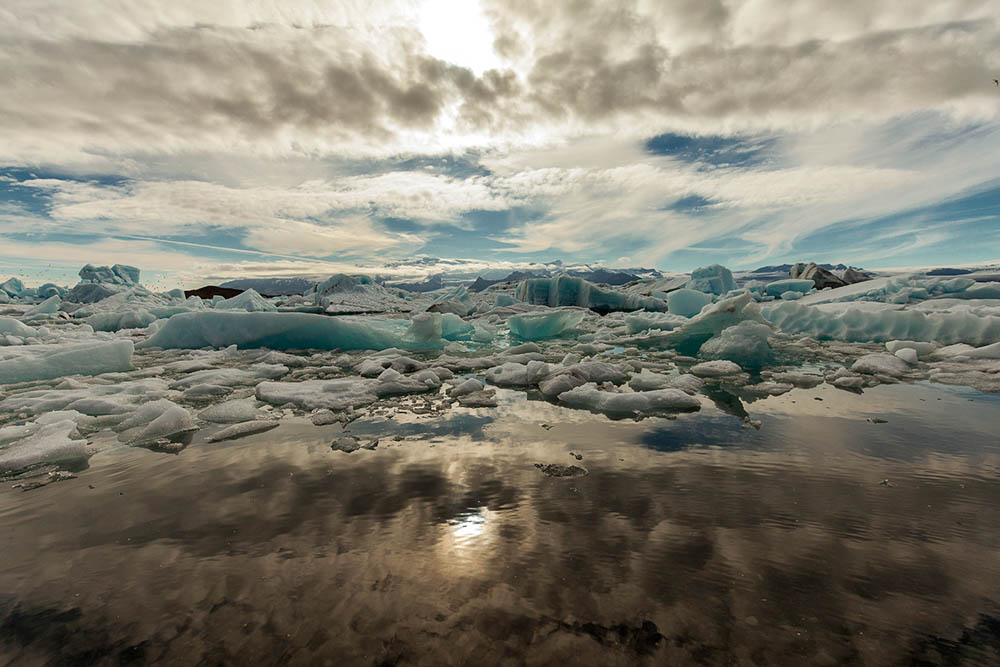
(996, 82)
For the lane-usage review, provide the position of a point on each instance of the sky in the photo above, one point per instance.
(207, 140)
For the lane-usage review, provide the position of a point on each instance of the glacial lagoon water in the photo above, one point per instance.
(850, 528)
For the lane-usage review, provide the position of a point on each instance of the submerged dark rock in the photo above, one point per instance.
(557, 470)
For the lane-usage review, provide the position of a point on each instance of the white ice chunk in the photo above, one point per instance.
(714, 279)
(48, 443)
(243, 429)
(231, 412)
(518, 375)
(172, 422)
(50, 305)
(745, 343)
(469, 386)
(921, 348)
(590, 397)
(907, 354)
(248, 301)
(881, 364)
(715, 369)
(338, 394)
(687, 302)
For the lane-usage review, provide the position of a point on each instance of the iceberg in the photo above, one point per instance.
(714, 279)
(13, 287)
(119, 274)
(710, 322)
(46, 307)
(118, 320)
(779, 287)
(569, 291)
(343, 294)
(687, 302)
(881, 323)
(745, 343)
(45, 362)
(248, 301)
(539, 326)
(284, 331)
(48, 443)
(590, 397)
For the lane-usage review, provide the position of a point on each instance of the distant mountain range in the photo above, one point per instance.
(272, 286)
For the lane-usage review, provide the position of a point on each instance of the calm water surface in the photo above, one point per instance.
(690, 541)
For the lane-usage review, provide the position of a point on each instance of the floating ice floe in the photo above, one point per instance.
(44, 362)
(57, 442)
(591, 397)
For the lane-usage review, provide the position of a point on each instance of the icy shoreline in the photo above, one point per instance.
(110, 357)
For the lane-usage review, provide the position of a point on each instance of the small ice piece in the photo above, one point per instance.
(687, 302)
(882, 364)
(647, 380)
(643, 321)
(690, 384)
(232, 377)
(174, 421)
(426, 327)
(779, 287)
(714, 279)
(570, 359)
(11, 327)
(559, 383)
(479, 399)
(590, 397)
(231, 412)
(248, 301)
(50, 305)
(745, 343)
(518, 375)
(467, 387)
(921, 348)
(504, 299)
(337, 394)
(539, 326)
(791, 296)
(48, 443)
(46, 362)
(716, 369)
(200, 392)
(804, 380)
(242, 429)
(907, 354)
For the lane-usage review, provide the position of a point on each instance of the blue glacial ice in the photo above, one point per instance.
(569, 291)
(45, 362)
(714, 279)
(543, 325)
(687, 302)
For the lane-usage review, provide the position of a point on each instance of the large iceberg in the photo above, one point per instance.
(549, 324)
(344, 294)
(881, 323)
(45, 362)
(569, 291)
(286, 331)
